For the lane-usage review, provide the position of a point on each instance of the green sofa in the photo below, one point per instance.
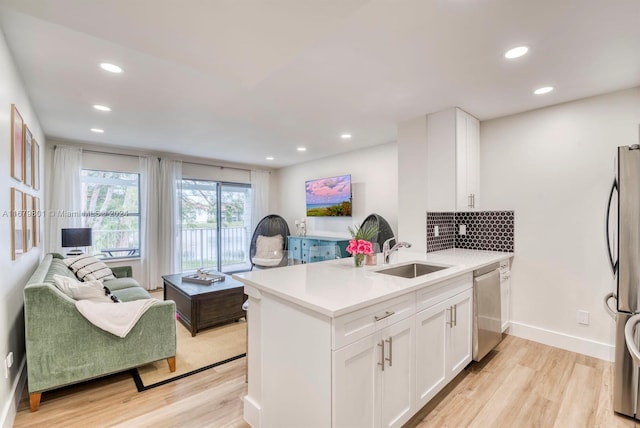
(65, 348)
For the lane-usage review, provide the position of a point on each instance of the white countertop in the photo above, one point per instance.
(337, 287)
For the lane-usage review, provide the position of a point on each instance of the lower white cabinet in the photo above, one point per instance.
(443, 344)
(373, 379)
(505, 293)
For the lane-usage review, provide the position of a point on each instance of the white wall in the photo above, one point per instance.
(412, 182)
(374, 176)
(14, 273)
(554, 167)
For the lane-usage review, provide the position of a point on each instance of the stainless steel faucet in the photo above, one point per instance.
(386, 251)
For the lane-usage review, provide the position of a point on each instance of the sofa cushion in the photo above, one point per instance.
(88, 268)
(57, 267)
(120, 283)
(88, 290)
(131, 293)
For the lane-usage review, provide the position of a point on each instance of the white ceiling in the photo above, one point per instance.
(238, 80)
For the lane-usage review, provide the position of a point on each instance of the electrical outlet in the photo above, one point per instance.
(8, 362)
(436, 231)
(583, 317)
(463, 229)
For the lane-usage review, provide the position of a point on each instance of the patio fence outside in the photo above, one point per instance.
(199, 247)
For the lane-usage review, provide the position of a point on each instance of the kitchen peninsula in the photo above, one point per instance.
(332, 345)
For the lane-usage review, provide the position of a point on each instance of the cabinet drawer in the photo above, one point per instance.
(356, 325)
(434, 294)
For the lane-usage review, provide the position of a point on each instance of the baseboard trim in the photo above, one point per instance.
(603, 351)
(10, 409)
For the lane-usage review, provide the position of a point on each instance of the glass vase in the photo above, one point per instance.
(358, 259)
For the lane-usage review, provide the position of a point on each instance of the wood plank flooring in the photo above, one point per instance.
(520, 384)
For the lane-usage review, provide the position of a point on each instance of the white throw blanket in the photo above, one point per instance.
(116, 318)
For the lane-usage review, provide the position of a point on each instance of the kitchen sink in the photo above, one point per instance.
(412, 270)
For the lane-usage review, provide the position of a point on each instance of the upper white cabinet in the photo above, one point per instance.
(467, 161)
(453, 161)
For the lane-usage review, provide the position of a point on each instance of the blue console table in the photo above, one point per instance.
(310, 249)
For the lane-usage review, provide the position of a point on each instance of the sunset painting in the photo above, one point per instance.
(329, 197)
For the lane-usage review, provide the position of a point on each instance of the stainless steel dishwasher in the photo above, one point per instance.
(487, 310)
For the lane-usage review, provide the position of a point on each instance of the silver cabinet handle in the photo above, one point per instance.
(469, 203)
(455, 315)
(450, 322)
(390, 359)
(386, 314)
(608, 308)
(473, 200)
(381, 344)
(629, 332)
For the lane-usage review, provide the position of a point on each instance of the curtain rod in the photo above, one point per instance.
(190, 162)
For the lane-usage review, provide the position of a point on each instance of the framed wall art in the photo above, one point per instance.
(27, 204)
(17, 224)
(37, 239)
(17, 149)
(36, 165)
(28, 156)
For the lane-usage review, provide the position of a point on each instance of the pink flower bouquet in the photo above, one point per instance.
(358, 248)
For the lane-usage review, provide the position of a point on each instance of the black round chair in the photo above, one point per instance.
(384, 230)
(270, 225)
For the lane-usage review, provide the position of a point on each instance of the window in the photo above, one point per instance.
(111, 207)
(215, 235)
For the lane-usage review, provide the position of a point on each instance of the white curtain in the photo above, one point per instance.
(259, 196)
(65, 192)
(169, 216)
(149, 207)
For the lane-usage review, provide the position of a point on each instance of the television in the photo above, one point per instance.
(329, 197)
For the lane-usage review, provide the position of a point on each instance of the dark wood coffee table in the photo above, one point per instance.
(202, 306)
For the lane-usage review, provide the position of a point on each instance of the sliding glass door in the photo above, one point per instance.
(216, 225)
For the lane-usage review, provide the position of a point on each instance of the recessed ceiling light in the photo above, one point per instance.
(543, 90)
(516, 52)
(269, 158)
(111, 67)
(101, 107)
(346, 136)
(301, 149)
(97, 130)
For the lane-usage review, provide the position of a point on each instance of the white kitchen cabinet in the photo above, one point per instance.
(374, 379)
(460, 327)
(505, 293)
(453, 161)
(467, 161)
(443, 344)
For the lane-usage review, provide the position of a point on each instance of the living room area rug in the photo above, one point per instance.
(210, 348)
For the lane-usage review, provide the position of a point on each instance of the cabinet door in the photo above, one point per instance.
(460, 343)
(473, 161)
(463, 200)
(431, 335)
(505, 291)
(467, 161)
(355, 383)
(295, 248)
(397, 403)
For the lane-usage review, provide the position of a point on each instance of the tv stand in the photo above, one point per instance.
(310, 249)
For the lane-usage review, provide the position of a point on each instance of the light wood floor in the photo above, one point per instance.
(520, 384)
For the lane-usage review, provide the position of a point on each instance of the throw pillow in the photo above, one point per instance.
(88, 268)
(269, 247)
(269, 250)
(89, 290)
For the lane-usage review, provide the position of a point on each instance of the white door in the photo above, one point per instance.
(431, 336)
(398, 377)
(473, 161)
(355, 382)
(460, 343)
(462, 195)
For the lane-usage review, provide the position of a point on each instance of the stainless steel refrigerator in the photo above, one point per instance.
(623, 239)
